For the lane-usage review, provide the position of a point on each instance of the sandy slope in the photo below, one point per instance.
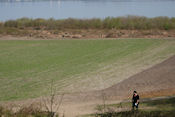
(159, 79)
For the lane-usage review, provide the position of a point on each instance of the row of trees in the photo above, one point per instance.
(129, 22)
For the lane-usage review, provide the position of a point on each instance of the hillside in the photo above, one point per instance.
(27, 67)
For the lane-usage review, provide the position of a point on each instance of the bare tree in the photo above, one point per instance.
(52, 103)
(101, 108)
(104, 98)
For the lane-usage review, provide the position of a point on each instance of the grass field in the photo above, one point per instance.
(148, 108)
(27, 67)
(162, 104)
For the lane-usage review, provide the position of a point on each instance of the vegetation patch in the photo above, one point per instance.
(29, 111)
(139, 114)
(129, 22)
(148, 108)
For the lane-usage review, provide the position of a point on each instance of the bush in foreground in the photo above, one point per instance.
(138, 114)
(29, 111)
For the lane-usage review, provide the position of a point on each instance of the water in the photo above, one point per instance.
(61, 9)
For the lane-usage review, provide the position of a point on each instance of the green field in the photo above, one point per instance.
(164, 107)
(27, 67)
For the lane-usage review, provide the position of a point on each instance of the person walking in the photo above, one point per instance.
(135, 100)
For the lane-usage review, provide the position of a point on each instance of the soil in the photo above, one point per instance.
(157, 80)
(91, 33)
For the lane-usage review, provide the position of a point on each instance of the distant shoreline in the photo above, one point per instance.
(119, 27)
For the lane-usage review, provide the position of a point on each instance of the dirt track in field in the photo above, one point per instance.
(158, 80)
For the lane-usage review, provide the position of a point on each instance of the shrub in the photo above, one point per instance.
(129, 22)
(138, 114)
(29, 111)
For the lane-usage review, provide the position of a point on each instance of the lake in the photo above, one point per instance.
(61, 9)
